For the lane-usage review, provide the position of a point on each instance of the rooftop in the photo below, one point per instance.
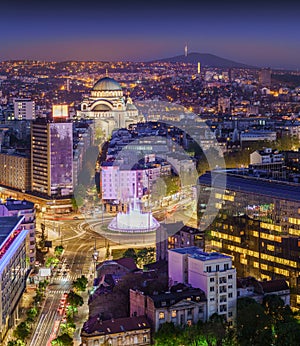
(96, 326)
(245, 184)
(14, 204)
(7, 224)
(197, 253)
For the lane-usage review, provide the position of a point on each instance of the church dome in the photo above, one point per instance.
(107, 84)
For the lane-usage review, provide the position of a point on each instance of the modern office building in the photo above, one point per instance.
(13, 270)
(24, 208)
(15, 171)
(52, 158)
(212, 272)
(257, 223)
(24, 109)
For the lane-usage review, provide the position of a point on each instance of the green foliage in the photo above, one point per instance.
(212, 333)
(130, 253)
(80, 284)
(63, 340)
(145, 256)
(74, 299)
(51, 261)
(16, 343)
(68, 328)
(32, 314)
(22, 331)
(271, 323)
(58, 250)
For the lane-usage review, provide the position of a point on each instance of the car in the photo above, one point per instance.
(75, 218)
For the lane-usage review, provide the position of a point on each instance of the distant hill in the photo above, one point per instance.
(205, 59)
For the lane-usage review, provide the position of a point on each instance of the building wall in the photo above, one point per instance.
(15, 171)
(136, 338)
(12, 282)
(261, 233)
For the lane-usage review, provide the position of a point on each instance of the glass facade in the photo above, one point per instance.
(261, 231)
(61, 158)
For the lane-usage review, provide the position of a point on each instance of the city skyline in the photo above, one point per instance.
(259, 35)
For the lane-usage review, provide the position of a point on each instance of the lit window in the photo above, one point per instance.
(161, 315)
(173, 313)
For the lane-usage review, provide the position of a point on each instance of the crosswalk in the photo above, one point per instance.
(58, 291)
(68, 277)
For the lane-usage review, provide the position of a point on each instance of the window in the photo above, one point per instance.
(229, 295)
(226, 266)
(217, 267)
(223, 299)
(229, 277)
(230, 314)
(161, 315)
(222, 280)
(200, 310)
(230, 286)
(212, 299)
(174, 313)
(208, 269)
(189, 312)
(223, 308)
(212, 279)
(223, 289)
(212, 289)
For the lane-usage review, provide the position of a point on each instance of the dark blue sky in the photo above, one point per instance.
(251, 33)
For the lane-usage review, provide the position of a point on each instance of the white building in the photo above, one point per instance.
(211, 272)
(266, 156)
(106, 104)
(24, 109)
(120, 182)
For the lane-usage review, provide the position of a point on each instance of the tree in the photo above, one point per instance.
(22, 331)
(74, 299)
(145, 256)
(58, 250)
(51, 261)
(253, 325)
(16, 343)
(80, 284)
(63, 340)
(32, 314)
(68, 328)
(130, 253)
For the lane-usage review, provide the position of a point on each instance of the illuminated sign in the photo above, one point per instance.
(60, 111)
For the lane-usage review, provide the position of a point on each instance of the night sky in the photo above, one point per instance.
(262, 35)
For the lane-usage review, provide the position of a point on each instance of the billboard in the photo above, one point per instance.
(60, 111)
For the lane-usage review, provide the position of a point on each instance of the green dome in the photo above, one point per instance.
(106, 84)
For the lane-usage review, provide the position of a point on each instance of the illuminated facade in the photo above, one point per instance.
(15, 171)
(106, 104)
(24, 109)
(212, 272)
(258, 223)
(24, 208)
(13, 270)
(52, 158)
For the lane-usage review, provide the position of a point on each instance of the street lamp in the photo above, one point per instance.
(95, 257)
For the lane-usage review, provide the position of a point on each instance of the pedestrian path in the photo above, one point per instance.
(68, 277)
